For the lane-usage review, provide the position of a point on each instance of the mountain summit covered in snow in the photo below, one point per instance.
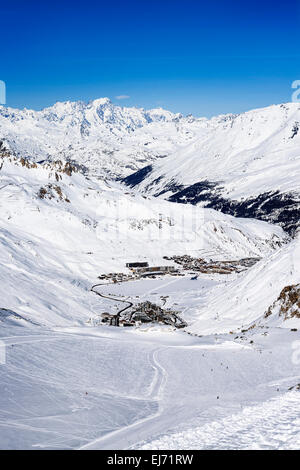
(109, 140)
(246, 165)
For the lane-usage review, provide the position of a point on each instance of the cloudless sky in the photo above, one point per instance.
(189, 56)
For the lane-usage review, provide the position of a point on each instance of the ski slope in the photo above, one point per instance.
(228, 380)
(245, 300)
(106, 388)
(273, 425)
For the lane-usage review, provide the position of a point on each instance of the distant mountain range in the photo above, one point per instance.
(246, 165)
(109, 140)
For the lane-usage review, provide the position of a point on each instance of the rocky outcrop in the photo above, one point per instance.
(273, 206)
(288, 303)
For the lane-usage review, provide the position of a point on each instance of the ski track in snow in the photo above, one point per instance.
(271, 425)
(128, 435)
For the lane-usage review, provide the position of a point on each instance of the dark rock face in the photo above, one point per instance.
(195, 193)
(172, 186)
(275, 207)
(287, 304)
(137, 177)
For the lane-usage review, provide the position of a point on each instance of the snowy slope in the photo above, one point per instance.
(60, 231)
(109, 140)
(111, 388)
(248, 154)
(246, 165)
(272, 425)
(70, 382)
(244, 301)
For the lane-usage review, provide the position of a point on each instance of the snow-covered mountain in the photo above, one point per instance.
(246, 165)
(109, 140)
(63, 227)
(251, 298)
(70, 381)
(51, 161)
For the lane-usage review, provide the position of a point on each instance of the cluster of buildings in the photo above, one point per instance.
(116, 277)
(138, 270)
(145, 312)
(188, 263)
(144, 270)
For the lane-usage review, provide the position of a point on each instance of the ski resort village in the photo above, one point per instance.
(150, 278)
(146, 312)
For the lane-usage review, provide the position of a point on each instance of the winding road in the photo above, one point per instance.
(135, 432)
(130, 304)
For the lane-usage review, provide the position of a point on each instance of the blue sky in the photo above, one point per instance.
(188, 56)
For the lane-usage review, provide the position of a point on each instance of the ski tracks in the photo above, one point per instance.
(274, 424)
(137, 431)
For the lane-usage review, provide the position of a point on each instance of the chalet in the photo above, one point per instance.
(110, 318)
(105, 316)
(141, 317)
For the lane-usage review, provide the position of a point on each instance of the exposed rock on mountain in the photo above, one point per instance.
(246, 165)
(288, 303)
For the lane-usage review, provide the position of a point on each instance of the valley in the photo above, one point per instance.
(115, 216)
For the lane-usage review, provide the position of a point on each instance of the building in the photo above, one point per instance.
(164, 269)
(110, 318)
(143, 268)
(137, 265)
(156, 270)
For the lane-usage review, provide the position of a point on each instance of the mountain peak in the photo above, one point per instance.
(100, 102)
